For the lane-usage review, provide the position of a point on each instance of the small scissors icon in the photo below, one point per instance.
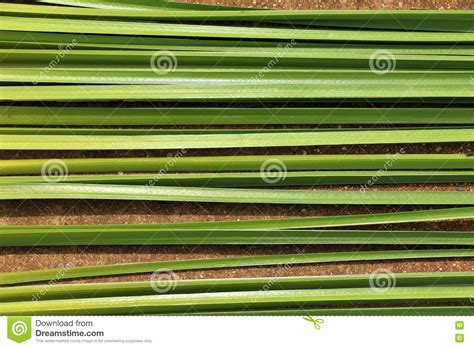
(316, 322)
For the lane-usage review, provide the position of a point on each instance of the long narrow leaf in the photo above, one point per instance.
(270, 224)
(18, 39)
(260, 179)
(245, 163)
(416, 20)
(248, 261)
(207, 31)
(104, 116)
(365, 80)
(175, 286)
(298, 59)
(196, 131)
(242, 13)
(149, 6)
(209, 141)
(235, 56)
(234, 300)
(335, 91)
(188, 131)
(57, 237)
(230, 195)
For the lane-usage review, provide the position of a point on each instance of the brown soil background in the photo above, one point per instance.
(95, 212)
